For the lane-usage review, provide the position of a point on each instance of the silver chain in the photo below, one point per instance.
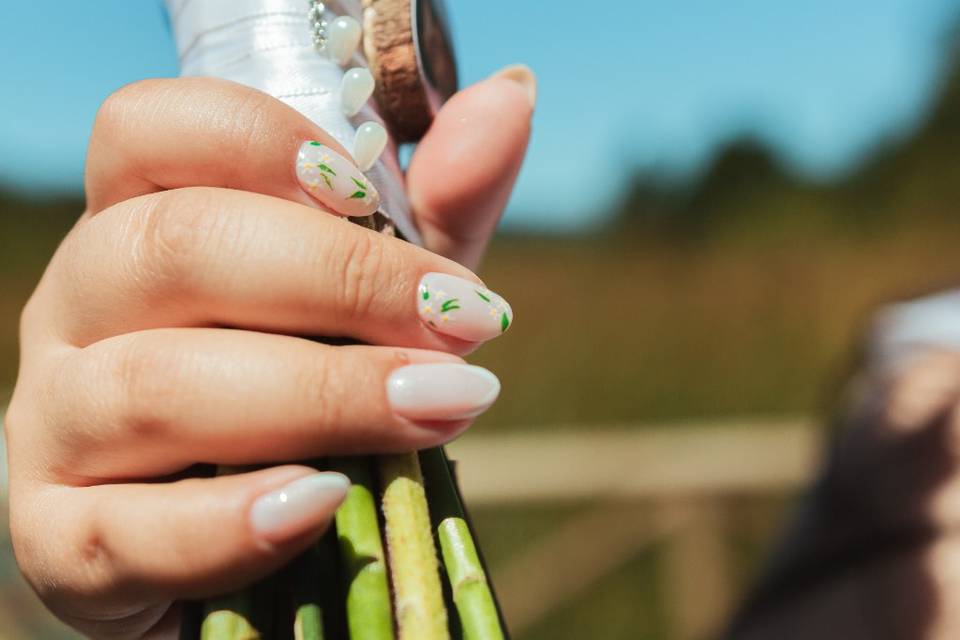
(318, 26)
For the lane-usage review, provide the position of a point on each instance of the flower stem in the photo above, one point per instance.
(369, 615)
(414, 569)
(471, 592)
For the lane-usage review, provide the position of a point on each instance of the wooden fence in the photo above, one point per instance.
(649, 485)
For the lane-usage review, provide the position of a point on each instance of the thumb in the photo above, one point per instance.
(463, 170)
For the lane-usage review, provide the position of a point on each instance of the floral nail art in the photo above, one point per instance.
(335, 181)
(461, 308)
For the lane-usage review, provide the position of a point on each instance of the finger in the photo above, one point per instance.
(202, 257)
(184, 132)
(477, 143)
(127, 544)
(155, 402)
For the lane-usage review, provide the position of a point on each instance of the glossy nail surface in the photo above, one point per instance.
(343, 37)
(298, 507)
(368, 144)
(522, 75)
(335, 181)
(442, 391)
(356, 87)
(461, 308)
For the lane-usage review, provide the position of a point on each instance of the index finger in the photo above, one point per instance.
(191, 132)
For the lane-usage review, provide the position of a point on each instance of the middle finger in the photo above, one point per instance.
(217, 257)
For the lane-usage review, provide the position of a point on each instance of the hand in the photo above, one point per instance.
(872, 550)
(161, 336)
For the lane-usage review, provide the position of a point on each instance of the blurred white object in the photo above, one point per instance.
(904, 330)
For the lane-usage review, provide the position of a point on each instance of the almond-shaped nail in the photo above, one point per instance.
(522, 75)
(298, 507)
(335, 181)
(441, 391)
(461, 308)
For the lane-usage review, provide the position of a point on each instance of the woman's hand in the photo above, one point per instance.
(161, 336)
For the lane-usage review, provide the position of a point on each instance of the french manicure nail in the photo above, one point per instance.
(522, 75)
(343, 37)
(461, 308)
(368, 144)
(298, 506)
(441, 391)
(335, 181)
(356, 87)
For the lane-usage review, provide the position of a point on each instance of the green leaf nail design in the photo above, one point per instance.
(326, 179)
(482, 297)
(356, 195)
(426, 294)
(359, 184)
(449, 305)
(324, 167)
(504, 322)
(314, 143)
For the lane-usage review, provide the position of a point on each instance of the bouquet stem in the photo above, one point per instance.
(420, 610)
(369, 616)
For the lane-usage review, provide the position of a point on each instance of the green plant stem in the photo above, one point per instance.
(418, 596)
(471, 592)
(369, 615)
(229, 618)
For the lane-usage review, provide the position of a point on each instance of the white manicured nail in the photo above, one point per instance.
(298, 507)
(368, 144)
(335, 181)
(441, 391)
(461, 308)
(356, 87)
(343, 37)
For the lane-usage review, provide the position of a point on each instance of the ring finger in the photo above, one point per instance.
(165, 399)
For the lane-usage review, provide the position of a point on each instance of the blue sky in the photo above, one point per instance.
(623, 84)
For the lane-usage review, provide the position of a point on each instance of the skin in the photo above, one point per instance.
(164, 333)
(873, 550)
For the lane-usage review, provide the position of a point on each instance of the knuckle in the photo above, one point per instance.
(120, 107)
(79, 564)
(249, 121)
(360, 270)
(96, 562)
(321, 389)
(171, 234)
(145, 381)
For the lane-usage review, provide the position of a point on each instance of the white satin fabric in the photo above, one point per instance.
(267, 44)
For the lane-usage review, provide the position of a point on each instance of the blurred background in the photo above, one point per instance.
(716, 198)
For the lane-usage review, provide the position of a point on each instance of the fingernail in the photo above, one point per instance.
(298, 507)
(441, 391)
(335, 181)
(522, 75)
(343, 37)
(460, 308)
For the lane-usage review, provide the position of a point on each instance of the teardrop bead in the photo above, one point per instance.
(368, 144)
(355, 89)
(343, 38)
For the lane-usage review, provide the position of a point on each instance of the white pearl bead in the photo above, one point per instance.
(355, 89)
(368, 144)
(343, 37)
